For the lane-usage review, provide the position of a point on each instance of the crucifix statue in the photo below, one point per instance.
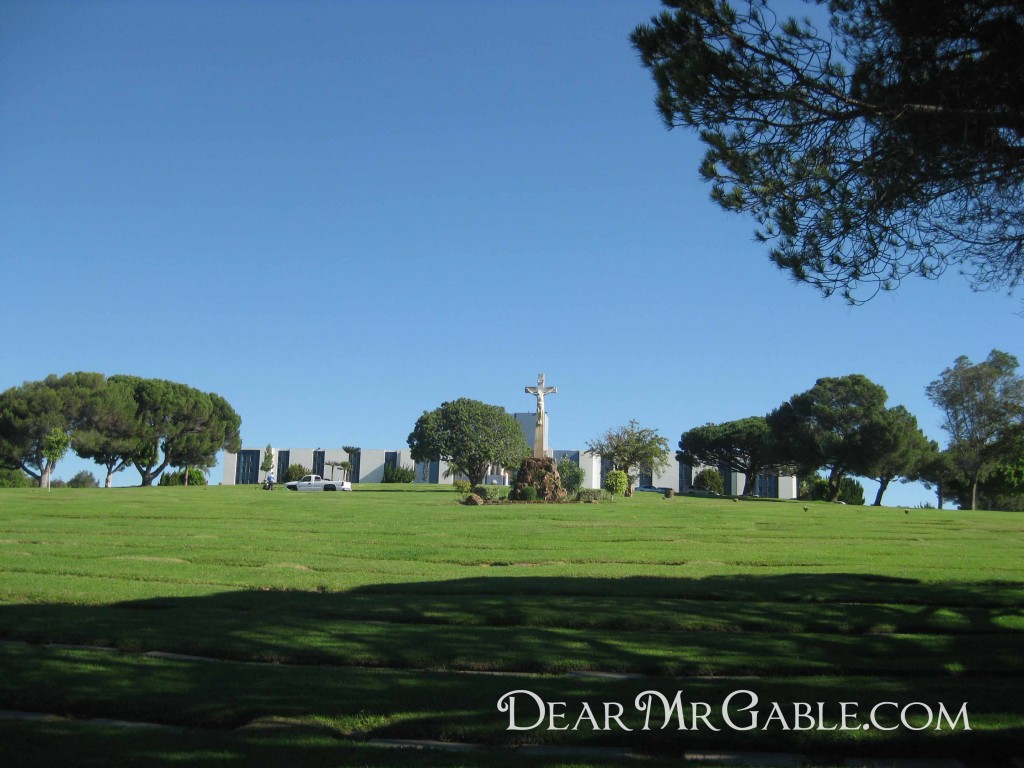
(540, 438)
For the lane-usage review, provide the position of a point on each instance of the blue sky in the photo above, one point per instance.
(338, 215)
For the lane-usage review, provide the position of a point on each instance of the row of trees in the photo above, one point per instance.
(842, 426)
(473, 437)
(117, 421)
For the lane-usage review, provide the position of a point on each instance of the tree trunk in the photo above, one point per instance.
(883, 483)
(750, 482)
(186, 476)
(974, 490)
(835, 482)
(938, 493)
(149, 474)
(109, 482)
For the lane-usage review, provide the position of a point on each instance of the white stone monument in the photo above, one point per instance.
(540, 435)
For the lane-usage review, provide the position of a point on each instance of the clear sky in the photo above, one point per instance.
(338, 215)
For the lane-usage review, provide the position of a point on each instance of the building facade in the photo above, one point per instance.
(368, 465)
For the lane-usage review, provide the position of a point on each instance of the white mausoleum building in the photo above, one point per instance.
(368, 467)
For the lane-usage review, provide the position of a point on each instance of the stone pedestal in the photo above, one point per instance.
(542, 474)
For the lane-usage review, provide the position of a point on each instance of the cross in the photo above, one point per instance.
(540, 438)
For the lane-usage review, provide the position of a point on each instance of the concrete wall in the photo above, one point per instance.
(788, 487)
(230, 466)
(371, 465)
(371, 468)
(668, 477)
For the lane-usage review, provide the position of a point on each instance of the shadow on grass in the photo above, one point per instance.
(378, 661)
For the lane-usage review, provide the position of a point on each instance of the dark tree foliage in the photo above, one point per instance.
(1002, 488)
(32, 413)
(746, 446)
(709, 479)
(178, 426)
(149, 423)
(890, 146)
(836, 425)
(902, 450)
(109, 432)
(83, 479)
(14, 478)
(850, 491)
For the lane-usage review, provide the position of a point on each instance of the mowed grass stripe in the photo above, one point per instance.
(315, 641)
(404, 579)
(419, 705)
(380, 603)
(704, 582)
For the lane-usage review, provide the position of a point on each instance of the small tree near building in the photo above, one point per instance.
(616, 482)
(471, 436)
(55, 446)
(630, 448)
(572, 475)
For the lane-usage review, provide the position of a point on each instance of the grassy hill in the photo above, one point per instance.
(304, 629)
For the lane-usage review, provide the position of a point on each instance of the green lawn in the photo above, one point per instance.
(341, 619)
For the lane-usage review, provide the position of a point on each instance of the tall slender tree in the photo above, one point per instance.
(983, 412)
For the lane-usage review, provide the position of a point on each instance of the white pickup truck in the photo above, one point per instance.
(317, 483)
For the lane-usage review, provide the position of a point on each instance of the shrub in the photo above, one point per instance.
(529, 493)
(492, 492)
(473, 500)
(616, 482)
(177, 477)
(572, 476)
(295, 472)
(399, 474)
(14, 478)
(709, 480)
(850, 491)
(669, 493)
(463, 487)
(589, 495)
(84, 479)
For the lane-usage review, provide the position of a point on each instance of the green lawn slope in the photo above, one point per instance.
(305, 629)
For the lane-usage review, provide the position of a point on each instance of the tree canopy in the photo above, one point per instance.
(471, 436)
(746, 446)
(983, 410)
(632, 448)
(835, 425)
(902, 450)
(117, 421)
(31, 413)
(178, 426)
(890, 146)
